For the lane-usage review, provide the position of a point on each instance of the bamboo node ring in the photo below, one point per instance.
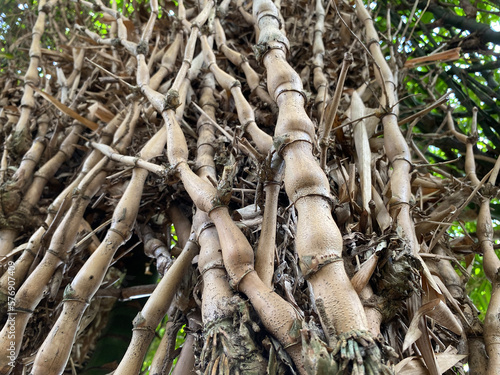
(368, 19)
(398, 203)
(122, 235)
(218, 264)
(283, 141)
(75, 299)
(205, 225)
(143, 328)
(28, 157)
(235, 283)
(310, 264)
(397, 158)
(245, 125)
(56, 254)
(296, 342)
(269, 14)
(281, 91)
(326, 197)
(21, 310)
(216, 203)
(31, 252)
(205, 144)
(371, 41)
(261, 49)
(267, 183)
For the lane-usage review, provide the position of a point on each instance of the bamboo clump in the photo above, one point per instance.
(266, 139)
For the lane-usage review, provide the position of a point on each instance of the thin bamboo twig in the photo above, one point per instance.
(332, 108)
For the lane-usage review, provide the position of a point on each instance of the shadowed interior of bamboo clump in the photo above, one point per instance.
(259, 160)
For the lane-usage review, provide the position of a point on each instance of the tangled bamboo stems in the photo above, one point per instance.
(485, 238)
(31, 292)
(245, 112)
(253, 79)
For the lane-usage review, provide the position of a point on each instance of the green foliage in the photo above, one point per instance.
(479, 287)
(159, 334)
(474, 79)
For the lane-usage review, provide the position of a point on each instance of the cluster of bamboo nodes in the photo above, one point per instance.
(345, 278)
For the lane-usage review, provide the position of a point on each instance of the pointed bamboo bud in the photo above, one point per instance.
(362, 277)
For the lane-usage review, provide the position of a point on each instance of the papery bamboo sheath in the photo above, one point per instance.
(87, 281)
(491, 269)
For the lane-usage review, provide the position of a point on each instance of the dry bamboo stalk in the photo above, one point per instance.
(253, 79)
(373, 316)
(246, 116)
(382, 215)
(132, 161)
(90, 276)
(320, 82)
(216, 289)
(164, 357)
(247, 16)
(186, 360)
(74, 78)
(450, 55)
(491, 262)
(167, 63)
(332, 109)
(399, 155)
(396, 147)
(18, 184)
